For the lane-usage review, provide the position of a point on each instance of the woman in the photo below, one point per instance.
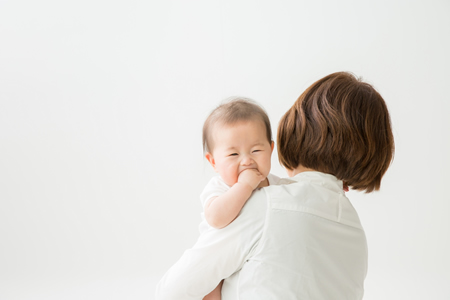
(302, 239)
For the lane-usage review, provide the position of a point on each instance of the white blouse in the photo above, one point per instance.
(301, 240)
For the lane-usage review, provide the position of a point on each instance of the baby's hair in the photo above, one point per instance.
(341, 126)
(232, 111)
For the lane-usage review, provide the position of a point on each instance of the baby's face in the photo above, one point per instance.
(238, 147)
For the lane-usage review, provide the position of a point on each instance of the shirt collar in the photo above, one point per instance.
(328, 180)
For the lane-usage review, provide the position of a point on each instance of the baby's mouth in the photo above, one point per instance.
(249, 168)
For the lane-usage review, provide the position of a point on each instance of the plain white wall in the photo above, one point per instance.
(101, 109)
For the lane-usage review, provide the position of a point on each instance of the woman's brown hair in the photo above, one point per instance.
(341, 126)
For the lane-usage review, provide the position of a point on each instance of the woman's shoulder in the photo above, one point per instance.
(275, 180)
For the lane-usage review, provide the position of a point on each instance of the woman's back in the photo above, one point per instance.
(312, 246)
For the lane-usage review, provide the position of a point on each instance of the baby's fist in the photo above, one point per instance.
(251, 177)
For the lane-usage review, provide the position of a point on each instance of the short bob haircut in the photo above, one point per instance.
(340, 126)
(234, 110)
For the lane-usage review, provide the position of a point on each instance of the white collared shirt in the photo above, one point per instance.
(301, 240)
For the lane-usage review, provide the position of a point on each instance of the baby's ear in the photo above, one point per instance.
(211, 160)
(271, 145)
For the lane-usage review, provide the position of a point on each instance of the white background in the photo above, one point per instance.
(101, 109)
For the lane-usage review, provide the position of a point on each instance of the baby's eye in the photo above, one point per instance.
(256, 151)
(233, 154)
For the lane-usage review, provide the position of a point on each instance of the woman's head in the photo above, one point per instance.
(341, 126)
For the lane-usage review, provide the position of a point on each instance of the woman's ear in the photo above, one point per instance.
(211, 160)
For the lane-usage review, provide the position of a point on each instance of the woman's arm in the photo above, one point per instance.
(216, 294)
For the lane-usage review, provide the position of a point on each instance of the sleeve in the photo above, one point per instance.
(273, 179)
(215, 187)
(217, 254)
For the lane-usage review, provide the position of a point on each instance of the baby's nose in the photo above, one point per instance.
(246, 161)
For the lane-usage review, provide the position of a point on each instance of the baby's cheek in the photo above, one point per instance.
(265, 168)
(230, 178)
(234, 178)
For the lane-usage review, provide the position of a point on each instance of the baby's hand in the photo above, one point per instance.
(251, 177)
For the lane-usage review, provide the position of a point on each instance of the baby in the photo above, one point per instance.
(237, 141)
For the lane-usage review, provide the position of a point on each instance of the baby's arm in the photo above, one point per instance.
(216, 294)
(222, 210)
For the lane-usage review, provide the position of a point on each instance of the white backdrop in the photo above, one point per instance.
(101, 109)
